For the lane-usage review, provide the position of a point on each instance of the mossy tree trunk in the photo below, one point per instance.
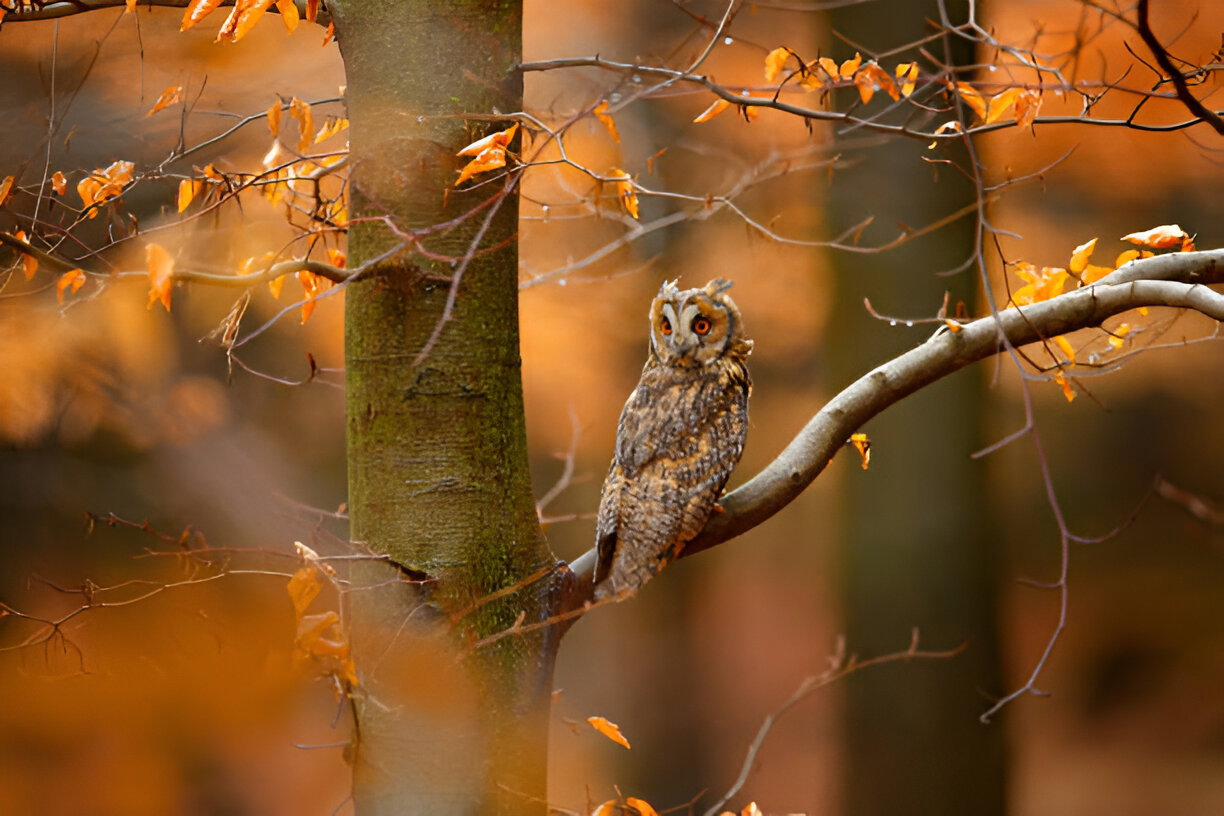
(438, 475)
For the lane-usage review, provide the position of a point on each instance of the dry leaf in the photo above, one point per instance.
(303, 588)
(830, 68)
(300, 111)
(6, 188)
(1027, 106)
(609, 729)
(197, 11)
(242, 19)
(1068, 392)
(500, 139)
(641, 806)
(871, 78)
(1079, 258)
(161, 274)
(168, 97)
(332, 126)
(188, 189)
(103, 185)
(907, 75)
(1116, 336)
(312, 285)
(863, 445)
(972, 98)
(58, 183)
(1162, 237)
(1065, 345)
(625, 191)
(601, 113)
(28, 262)
(289, 14)
(72, 280)
(774, 61)
(717, 107)
(274, 118)
(848, 67)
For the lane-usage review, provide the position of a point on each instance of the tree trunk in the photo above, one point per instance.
(917, 551)
(438, 476)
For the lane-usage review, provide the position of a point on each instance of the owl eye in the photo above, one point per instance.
(701, 325)
(665, 327)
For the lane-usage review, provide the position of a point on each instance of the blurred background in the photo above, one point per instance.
(189, 701)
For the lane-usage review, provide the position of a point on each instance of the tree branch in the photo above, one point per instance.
(1192, 103)
(19, 11)
(1174, 280)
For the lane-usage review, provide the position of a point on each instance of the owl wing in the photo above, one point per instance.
(677, 444)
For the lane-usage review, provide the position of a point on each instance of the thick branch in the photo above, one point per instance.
(1166, 280)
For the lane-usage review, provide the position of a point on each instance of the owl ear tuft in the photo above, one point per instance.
(669, 289)
(717, 286)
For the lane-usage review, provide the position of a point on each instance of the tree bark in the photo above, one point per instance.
(438, 475)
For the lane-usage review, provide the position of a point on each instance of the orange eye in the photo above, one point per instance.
(701, 326)
(665, 327)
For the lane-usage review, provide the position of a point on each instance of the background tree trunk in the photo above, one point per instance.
(438, 475)
(917, 551)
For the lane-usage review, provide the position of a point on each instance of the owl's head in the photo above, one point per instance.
(696, 327)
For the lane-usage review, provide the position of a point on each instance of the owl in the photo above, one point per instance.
(680, 434)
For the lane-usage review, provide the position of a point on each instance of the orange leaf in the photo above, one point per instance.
(312, 10)
(276, 285)
(29, 262)
(718, 106)
(303, 588)
(641, 806)
(331, 126)
(72, 280)
(300, 111)
(336, 258)
(102, 185)
(848, 67)
(871, 78)
(187, 190)
(774, 61)
(274, 118)
(242, 19)
(1116, 336)
(953, 126)
(1187, 244)
(907, 73)
(608, 808)
(829, 67)
(58, 183)
(1065, 345)
(289, 14)
(331, 32)
(1126, 257)
(601, 113)
(1027, 106)
(1000, 103)
(1068, 392)
(609, 729)
(6, 188)
(1079, 258)
(751, 809)
(1161, 237)
(1093, 273)
(197, 11)
(490, 158)
(863, 445)
(312, 284)
(161, 274)
(499, 139)
(625, 191)
(972, 98)
(168, 97)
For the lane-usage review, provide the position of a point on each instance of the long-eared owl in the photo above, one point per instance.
(680, 435)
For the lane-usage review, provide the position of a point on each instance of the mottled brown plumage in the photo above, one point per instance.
(680, 435)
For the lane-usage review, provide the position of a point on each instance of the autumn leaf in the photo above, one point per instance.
(601, 113)
(58, 183)
(28, 262)
(489, 153)
(312, 10)
(953, 326)
(625, 191)
(168, 97)
(907, 75)
(330, 32)
(188, 189)
(1062, 382)
(609, 729)
(303, 588)
(608, 808)
(717, 107)
(336, 258)
(972, 98)
(1117, 336)
(1000, 103)
(641, 806)
(103, 185)
(1079, 258)
(1162, 237)
(300, 111)
(1039, 285)
(161, 274)
(242, 19)
(848, 67)
(312, 285)
(274, 118)
(6, 189)
(332, 126)
(829, 67)
(500, 139)
(1065, 346)
(197, 11)
(871, 78)
(946, 127)
(774, 61)
(1126, 257)
(71, 280)
(1027, 106)
(863, 445)
(289, 14)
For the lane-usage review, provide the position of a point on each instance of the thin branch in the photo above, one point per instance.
(1192, 103)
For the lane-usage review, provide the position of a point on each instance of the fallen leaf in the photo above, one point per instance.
(71, 280)
(168, 97)
(609, 729)
(601, 113)
(717, 107)
(160, 264)
(1161, 237)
